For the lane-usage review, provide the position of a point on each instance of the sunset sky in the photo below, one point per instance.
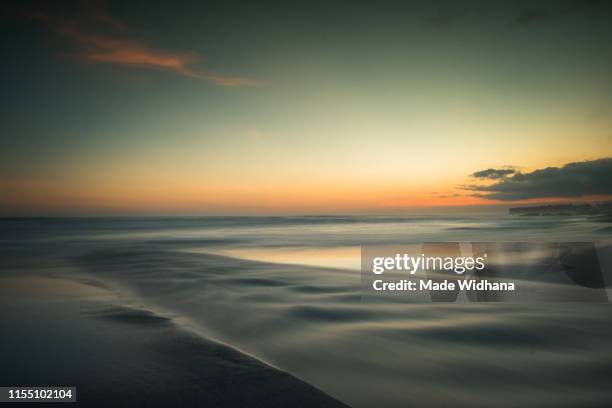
(228, 108)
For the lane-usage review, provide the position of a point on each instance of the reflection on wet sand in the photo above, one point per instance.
(325, 257)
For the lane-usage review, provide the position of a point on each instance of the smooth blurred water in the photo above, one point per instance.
(287, 290)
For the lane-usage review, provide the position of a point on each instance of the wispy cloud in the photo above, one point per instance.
(257, 135)
(122, 51)
(230, 81)
(96, 37)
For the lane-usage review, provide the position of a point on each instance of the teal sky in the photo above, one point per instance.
(263, 107)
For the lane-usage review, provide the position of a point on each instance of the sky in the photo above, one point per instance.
(147, 107)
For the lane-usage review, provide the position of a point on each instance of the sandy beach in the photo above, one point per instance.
(62, 332)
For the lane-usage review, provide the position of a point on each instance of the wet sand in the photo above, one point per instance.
(62, 332)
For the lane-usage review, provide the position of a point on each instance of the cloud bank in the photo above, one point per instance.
(493, 174)
(571, 180)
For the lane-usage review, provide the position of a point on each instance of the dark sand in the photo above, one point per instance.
(60, 332)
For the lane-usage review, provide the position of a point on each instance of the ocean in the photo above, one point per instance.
(287, 291)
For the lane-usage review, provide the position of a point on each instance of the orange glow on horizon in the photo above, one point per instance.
(278, 198)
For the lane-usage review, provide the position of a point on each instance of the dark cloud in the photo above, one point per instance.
(572, 180)
(532, 15)
(493, 174)
(537, 14)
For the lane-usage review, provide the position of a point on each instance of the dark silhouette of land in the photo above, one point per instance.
(602, 208)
